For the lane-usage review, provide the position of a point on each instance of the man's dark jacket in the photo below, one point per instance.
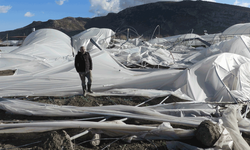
(83, 62)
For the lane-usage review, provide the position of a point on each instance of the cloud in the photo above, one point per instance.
(60, 2)
(103, 7)
(236, 2)
(29, 14)
(243, 4)
(4, 9)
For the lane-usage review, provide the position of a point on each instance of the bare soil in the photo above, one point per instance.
(6, 72)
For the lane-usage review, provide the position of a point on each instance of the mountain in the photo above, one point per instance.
(69, 26)
(172, 17)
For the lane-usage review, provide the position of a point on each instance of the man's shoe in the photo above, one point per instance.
(84, 93)
(89, 88)
(83, 90)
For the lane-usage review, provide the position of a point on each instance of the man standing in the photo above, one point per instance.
(83, 65)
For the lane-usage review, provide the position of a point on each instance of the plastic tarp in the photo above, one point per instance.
(238, 29)
(212, 38)
(231, 119)
(45, 44)
(7, 49)
(155, 113)
(209, 80)
(15, 106)
(220, 74)
(192, 41)
(178, 39)
(238, 45)
(101, 36)
(138, 56)
(221, 78)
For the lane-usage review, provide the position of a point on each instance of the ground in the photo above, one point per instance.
(37, 140)
(60, 139)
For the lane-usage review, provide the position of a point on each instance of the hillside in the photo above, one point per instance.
(172, 17)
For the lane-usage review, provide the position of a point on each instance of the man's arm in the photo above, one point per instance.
(76, 64)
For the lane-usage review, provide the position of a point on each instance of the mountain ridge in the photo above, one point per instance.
(172, 17)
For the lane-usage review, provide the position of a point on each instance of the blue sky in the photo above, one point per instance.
(19, 13)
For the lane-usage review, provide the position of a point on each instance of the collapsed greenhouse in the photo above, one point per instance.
(206, 77)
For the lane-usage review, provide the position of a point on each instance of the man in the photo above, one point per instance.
(83, 65)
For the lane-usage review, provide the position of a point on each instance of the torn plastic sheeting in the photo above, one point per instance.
(142, 92)
(138, 92)
(207, 80)
(40, 109)
(243, 72)
(45, 43)
(138, 79)
(185, 109)
(204, 81)
(230, 122)
(237, 45)
(101, 36)
(142, 54)
(162, 131)
(153, 116)
(112, 129)
(225, 141)
(55, 125)
(32, 108)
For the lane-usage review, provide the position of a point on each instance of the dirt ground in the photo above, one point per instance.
(7, 72)
(59, 140)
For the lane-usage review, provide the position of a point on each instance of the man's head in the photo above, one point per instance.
(82, 49)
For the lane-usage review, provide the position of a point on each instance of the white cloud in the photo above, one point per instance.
(243, 4)
(236, 2)
(103, 7)
(4, 9)
(29, 14)
(60, 2)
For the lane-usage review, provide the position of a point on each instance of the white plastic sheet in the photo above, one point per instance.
(237, 29)
(219, 78)
(117, 128)
(45, 44)
(101, 36)
(231, 123)
(238, 45)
